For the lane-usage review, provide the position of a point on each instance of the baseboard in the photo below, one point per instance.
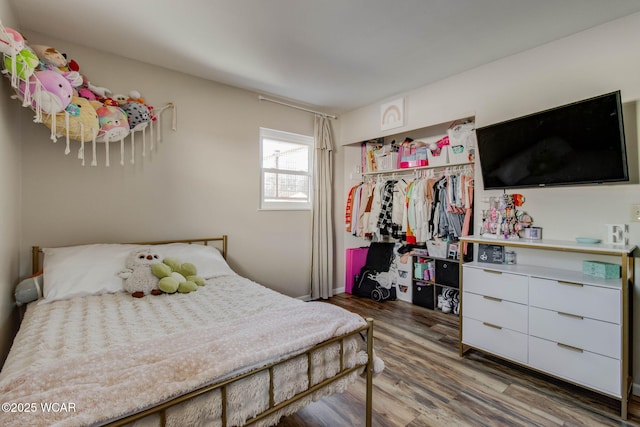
(635, 389)
(336, 291)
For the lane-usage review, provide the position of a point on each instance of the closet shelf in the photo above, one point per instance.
(417, 168)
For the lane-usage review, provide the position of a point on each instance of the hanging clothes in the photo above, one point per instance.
(348, 218)
(398, 227)
(385, 224)
(415, 210)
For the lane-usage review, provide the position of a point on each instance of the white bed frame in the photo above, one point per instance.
(223, 385)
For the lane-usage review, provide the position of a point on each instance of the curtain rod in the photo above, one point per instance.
(262, 98)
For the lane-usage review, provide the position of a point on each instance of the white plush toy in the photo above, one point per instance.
(139, 280)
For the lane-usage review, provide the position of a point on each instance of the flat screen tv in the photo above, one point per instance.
(578, 143)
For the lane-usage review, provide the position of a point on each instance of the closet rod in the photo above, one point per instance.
(262, 98)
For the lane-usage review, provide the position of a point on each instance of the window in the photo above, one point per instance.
(286, 170)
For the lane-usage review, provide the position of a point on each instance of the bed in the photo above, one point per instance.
(231, 353)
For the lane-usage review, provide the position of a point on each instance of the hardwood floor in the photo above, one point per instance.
(426, 383)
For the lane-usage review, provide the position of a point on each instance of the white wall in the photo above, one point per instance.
(9, 204)
(202, 180)
(594, 62)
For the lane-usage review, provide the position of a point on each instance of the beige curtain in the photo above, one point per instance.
(322, 233)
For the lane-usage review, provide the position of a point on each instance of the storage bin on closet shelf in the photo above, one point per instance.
(462, 142)
(412, 154)
(386, 161)
(436, 150)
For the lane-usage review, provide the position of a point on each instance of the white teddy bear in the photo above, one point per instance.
(139, 279)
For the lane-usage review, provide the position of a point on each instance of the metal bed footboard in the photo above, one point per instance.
(273, 408)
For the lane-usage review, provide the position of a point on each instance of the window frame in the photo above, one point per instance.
(293, 138)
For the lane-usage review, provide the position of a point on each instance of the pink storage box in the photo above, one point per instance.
(413, 164)
(356, 259)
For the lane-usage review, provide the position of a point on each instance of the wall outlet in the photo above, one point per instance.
(635, 213)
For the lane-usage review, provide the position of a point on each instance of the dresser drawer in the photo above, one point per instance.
(493, 283)
(492, 310)
(586, 368)
(503, 342)
(592, 335)
(583, 300)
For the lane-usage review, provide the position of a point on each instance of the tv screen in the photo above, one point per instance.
(578, 143)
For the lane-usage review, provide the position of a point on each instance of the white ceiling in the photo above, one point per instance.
(333, 54)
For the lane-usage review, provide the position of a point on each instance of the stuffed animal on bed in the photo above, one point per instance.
(146, 274)
(176, 276)
(139, 280)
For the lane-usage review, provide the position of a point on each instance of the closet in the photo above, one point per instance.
(424, 209)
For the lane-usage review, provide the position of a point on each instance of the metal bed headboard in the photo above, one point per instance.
(37, 254)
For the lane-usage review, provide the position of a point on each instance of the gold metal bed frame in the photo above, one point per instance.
(222, 386)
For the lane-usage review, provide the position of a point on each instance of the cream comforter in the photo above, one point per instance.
(92, 359)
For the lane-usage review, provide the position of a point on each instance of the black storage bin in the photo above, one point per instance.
(423, 295)
(447, 273)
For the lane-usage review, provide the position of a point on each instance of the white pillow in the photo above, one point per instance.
(83, 270)
(208, 260)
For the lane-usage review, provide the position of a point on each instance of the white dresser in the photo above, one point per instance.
(558, 321)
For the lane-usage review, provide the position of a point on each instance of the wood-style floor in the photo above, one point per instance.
(426, 383)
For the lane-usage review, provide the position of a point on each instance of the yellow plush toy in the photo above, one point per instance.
(176, 276)
(82, 122)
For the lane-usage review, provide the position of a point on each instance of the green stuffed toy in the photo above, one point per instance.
(176, 276)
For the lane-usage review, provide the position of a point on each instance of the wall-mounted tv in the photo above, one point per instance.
(578, 143)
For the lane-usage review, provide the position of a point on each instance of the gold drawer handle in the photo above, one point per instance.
(575, 316)
(492, 271)
(570, 347)
(492, 298)
(491, 325)
(570, 283)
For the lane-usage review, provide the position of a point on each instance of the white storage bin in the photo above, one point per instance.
(459, 154)
(462, 143)
(441, 160)
(437, 248)
(387, 161)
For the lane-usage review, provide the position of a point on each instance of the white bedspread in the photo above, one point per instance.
(111, 355)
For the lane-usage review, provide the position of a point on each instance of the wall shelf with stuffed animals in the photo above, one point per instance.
(74, 108)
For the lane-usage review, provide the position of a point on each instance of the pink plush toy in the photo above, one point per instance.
(11, 41)
(51, 95)
(86, 93)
